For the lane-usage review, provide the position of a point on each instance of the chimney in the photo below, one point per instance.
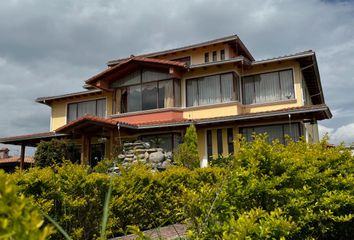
(4, 153)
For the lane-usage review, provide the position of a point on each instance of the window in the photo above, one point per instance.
(214, 56)
(273, 131)
(209, 141)
(219, 141)
(167, 142)
(147, 89)
(230, 140)
(206, 57)
(93, 107)
(222, 54)
(212, 89)
(268, 87)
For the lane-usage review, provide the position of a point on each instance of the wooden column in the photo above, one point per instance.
(22, 158)
(85, 149)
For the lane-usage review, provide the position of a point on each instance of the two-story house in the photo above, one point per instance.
(216, 85)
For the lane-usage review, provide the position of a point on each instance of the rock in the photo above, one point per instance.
(121, 156)
(141, 156)
(146, 155)
(151, 150)
(146, 145)
(168, 155)
(159, 149)
(166, 164)
(156, 157)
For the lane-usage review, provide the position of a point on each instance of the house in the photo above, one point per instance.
(9, 163)
(216, 85)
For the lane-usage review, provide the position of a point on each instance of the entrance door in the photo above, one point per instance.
(97, 153)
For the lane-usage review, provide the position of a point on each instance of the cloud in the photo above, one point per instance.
(343, 134)
(51, 47)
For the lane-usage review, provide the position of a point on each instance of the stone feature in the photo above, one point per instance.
(139, 151)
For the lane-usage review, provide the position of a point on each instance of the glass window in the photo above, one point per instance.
(215, 58)
(230, 140)
(273, 131)
(209, 144)
(165, 94)
(268, 87)
(177, 93)
(219, 141)
(212, 89)
(168, 142)
(130, 79)
(206, 57)
(134, 98)
(222, 54)
(149, 96)
(93, 107)
(153, 75)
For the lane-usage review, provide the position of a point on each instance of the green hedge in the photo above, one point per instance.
(73, 195)
(298, 191)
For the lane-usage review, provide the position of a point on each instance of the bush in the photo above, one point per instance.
(298, 191)
(19, 219)
(187, 152)
(74, 196)
(53, 152)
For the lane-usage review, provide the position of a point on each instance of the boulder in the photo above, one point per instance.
(156, 157)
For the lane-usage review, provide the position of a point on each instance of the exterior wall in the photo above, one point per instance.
(59, 108)
(311, 132)
(197, 55)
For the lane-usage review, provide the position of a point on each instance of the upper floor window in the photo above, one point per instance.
(212, 89)
(222, 54)
(206, 57)
(147, 89)
(94, 107)
(268, 87)
(215, 56)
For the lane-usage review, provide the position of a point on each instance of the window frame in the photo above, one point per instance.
(215, 56)
(242, 79)
(77, 108)
(236, 81)
(206, 57)
(141, 83)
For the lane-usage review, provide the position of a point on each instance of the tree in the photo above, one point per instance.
(187, 152)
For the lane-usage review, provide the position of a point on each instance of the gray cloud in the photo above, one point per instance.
(51, 47)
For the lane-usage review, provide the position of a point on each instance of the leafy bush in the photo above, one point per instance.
(187, 152)
(298, 191)
(74, 196)
(19, 219)
(54, 152)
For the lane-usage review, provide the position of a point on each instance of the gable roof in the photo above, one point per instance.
(231, 38)
(133, 59)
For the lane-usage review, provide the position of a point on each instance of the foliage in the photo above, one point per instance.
(221, 161)
(53, 152)
(298, 191)
(74, 196)
(19, 219)
(187, 152)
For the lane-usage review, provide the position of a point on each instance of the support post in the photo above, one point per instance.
(22, 158)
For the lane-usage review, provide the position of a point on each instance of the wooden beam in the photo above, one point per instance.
(22, 159)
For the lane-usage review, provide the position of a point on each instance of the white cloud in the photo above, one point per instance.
(342, 134)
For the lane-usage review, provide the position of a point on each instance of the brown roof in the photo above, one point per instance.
(44, 100)
(322, 110)
(135, 59)
(28, 139)
(16, 159)
(230, 38)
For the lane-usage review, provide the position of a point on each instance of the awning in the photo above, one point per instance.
(31, 139)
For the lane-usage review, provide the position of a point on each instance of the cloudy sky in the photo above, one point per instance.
(50, 47)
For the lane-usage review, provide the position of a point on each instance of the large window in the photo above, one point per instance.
(268, 87)
(147, 89)
(168, 142)
(212, 89)
(93, 107)
(278, 131)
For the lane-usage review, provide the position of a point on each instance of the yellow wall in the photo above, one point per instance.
(197, 55)
(59, 108)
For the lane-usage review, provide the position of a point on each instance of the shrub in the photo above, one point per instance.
(298, 191)
(187, 152)
(19, 219)
(54, 152)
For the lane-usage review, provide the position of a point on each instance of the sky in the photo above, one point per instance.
(51, 47)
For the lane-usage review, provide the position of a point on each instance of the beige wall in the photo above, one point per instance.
(59, 108)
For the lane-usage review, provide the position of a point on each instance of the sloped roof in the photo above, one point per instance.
(192, 46)
(135, 59)
(16, 159)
